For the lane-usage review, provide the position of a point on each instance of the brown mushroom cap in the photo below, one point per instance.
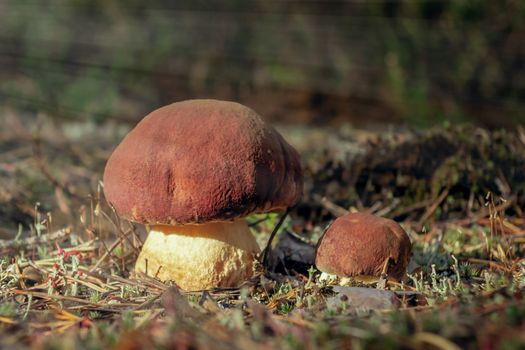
(359, 244)
(198, 161)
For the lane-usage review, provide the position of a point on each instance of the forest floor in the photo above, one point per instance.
(66, 260)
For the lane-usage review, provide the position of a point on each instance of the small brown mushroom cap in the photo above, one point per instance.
(198, 161)
(361, 244)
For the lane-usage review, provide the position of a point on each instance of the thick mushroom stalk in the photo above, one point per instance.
(216, 254)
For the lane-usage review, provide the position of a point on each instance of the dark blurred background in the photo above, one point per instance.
(316, 62)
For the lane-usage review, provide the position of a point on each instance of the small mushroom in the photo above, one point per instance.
(363, 245)
(191, 171)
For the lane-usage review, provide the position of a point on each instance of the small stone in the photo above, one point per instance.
(31, 276)
(360, 299)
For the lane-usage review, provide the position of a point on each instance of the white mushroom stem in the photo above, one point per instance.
(218, 254)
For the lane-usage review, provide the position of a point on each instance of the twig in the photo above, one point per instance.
(435, 340)
(274, 232)
(37, 153)
(145, 283)
(122, 234)
(384, 211)
(490, 263)
(484, 212)
(109, 250)
(58, 297)
(44, 238)
(333, 208)
(148, 303)
(430, 210)
(407, 210)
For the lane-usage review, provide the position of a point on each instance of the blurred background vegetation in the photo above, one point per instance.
(316, 61)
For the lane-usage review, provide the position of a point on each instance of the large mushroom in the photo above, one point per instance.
(363, 246)
(191, 171)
